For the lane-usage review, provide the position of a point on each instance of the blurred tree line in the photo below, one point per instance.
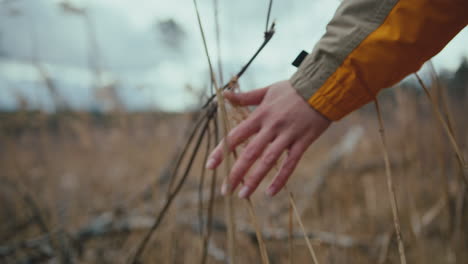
(457, 81)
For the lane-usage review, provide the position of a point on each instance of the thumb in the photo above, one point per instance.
(254, 97)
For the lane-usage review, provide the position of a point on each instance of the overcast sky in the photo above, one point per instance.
(149, 70)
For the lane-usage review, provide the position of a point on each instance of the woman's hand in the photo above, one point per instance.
(283, 121)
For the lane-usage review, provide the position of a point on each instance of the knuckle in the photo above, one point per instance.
(217, 153)
(232, 141)
(235, 139)
(277, 184)
(238, 172)
(252, 182)
(289, 164)
(250, 154)
(234, 134)
(280, 181)
(278, 124)
(235, 176)
(259, 114)
(282, 178)
(269, 159)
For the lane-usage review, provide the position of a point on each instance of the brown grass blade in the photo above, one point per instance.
(447, 129)
(267, 24)
(142, 245)
(218, 39)
(292, 202)
(202, 182)
(390, 185)
(293, 208)
(290, 234)
(181, 155)
(258, 233)
(209, 221)
(222, 114)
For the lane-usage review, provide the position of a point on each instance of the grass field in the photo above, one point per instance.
(84, 188)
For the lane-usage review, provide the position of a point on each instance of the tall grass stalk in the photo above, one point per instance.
(222, 114)
(390, 185)
(462, 166)
(218, 40)
(30, 200)
(191, 136)
(267, 24)
(243, 113)
(447, 129)
(290, 234)
(292, 208)
(229, 208)
(209, 221)
(261, 243)
(292, 203)
(170, 198)
(202, 183)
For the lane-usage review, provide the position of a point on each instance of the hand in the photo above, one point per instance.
(283, 121)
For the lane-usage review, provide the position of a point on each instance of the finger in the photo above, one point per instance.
(287, 168)
(236, 137)
(247, 158)
(254, 97)
(264, 165)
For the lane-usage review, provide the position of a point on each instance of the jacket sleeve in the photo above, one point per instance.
(373, 44)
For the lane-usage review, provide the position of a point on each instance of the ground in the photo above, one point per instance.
(86, 187)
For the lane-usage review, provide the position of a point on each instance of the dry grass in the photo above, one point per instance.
(81, 168)
(85, 188)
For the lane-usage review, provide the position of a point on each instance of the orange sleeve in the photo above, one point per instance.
(412, 32)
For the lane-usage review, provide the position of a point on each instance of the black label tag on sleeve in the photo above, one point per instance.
(297, 62)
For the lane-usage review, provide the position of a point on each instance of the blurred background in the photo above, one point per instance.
(96, 96)
(146, 53)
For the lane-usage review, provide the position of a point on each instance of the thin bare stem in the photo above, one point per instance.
(185, 148)
(93, 47)
(268, 35)
(292, 202)
(228, 202)
(444, 109)
(290, 234)
(268, 15)
(229, 210)
(253, 216)
(170, 198)
(447, 129)
(293, 207)
(209, 221)
(258, 233)
(202, 181)
(227, 166)
(218, 40)
(29, 198)
(391, 188)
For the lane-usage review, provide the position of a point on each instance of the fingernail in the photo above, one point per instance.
(270, 191)
(210, 164)
(223, 189)
(244, 191)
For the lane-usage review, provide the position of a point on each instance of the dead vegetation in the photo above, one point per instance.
(122, 187)
(86, 188)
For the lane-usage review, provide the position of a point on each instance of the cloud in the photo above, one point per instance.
(131, 47)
